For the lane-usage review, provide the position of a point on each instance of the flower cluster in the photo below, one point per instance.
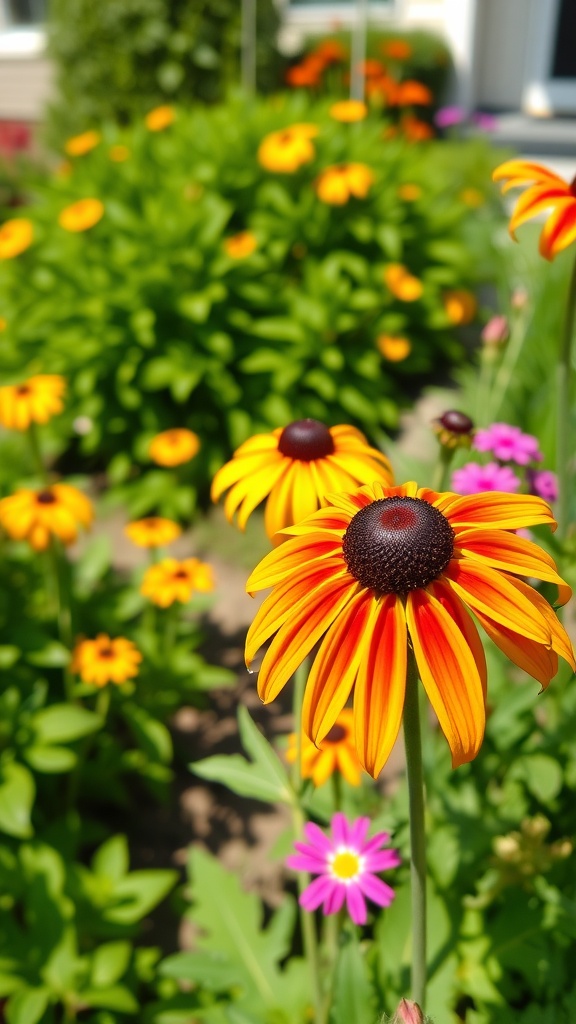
(512, 452)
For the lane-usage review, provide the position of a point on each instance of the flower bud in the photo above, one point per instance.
(454, 429)
(496, 331)
(408, 1013)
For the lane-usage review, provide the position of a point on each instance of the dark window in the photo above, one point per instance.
(26, 12)
(564, 63)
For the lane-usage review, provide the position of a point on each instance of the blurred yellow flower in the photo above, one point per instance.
(37, 516)
(171, 580)
(409, 192)
(152, 532)
(159, 118)
(472, 197)
(105, 660)
(403, 285)
(348, 111)
(15, 236)
(460, 306)
(336, 185)
(3, 324)
(118, 154)
(173, 447)
(335, 753)
(241, 245)
(82, 215)
(36, 400)
(394, 348)
(78, 145)
(284, 152)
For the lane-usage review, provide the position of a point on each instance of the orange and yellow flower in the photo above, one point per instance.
(284, 152)
(336, 753)
(160, 118)
(36, 400)
(174, 447)
(15, 237)
(403, 285)
(349, 111)
(38, 516)
(409, 192)
(239, 246)
(383, 566)
(337, 185)
(307, 74)
(81, 216)
(78, 145)
(170, 580)
(330, 51)
(152, 532)
(394, 348)
(412, 94)
(118, 154)
(294, 467)
(546, 191)
(105, 660)
(396, 49)
(460, 306)
(416, 130)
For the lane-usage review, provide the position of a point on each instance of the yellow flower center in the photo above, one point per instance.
(346, 865)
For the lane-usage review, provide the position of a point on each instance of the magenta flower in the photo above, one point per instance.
(346, 864)
(473, 479)
(496, 331)
(447, 117)
(508, 444)
(544, 483)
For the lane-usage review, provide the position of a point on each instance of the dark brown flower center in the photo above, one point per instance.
(306, 440)
(336, 735)
(457, 422)
(181, 574)
(398, 544)
(46, 498)
(23, 389)
(106, 652)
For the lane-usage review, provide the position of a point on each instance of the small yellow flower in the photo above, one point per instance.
(460, 306)
(472, 197)
(336, 753)
(171, 581)
(3, 324)
(118, 154)
(78, 145)
(348, 111)
(409, 192)
(15, 236)
(37, 516)
(173, 447)
(337, 185)
(106, 660)
(241, 245)
(394, 348)
(152, 532)
(403, 285)
(284, 152)
(159, 118)
(81, 216)
(36, 400)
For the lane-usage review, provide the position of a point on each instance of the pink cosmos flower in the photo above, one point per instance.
(508, 444)
(346, 864)
(496, 331)
(544, 483)
(473, 479)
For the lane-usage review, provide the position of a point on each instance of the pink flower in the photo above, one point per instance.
(473, 479)
(508, 444)
(447, 117)
(544, 483)
(496, 331)
(346, 864)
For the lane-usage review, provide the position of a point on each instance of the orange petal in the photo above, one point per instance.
(506, 551)
(523, 171)
(535, 201)
(491, 592)
(498, 509)
(381, 684)
(295, 552)
(559, 230)
(535, 659)
(449, 673)
(561, 642)
(458, 611)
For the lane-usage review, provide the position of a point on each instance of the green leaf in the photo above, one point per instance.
(50, 760)
(136, 894)
(212, 969)
(17, 792)
(150, 734)
(111, 860)
(117, 997)
(8, 655)
(109, 963)
(63, 723)
(354, 998)
(53, 655)
(239, 775)
(27, 1006)
(263, 754)
(542, 775)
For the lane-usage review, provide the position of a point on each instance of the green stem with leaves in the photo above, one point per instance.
(563, 427)
(413, 745)
(61, 570)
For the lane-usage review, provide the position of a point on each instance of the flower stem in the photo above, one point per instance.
(563, 432)
(441, 470)
(491, 409)
(37, 453)
(64, 612)
(412, 742)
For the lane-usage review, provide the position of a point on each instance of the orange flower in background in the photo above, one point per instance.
(241, 245)
(412, 94)
(336, 753)
(81, 216)
(3, 324)
(416, 130)
(118, 154)
(174, 447)
(159, 118)
(409, 193)
(460, 306)
(403, 285)
(383, 87)
(307, 74)
(294, 467)
(284, 152)
(544, 191)
(349, 111)
(78, 145)
(384, 565)
(394, 348)
(152, 532)
(15, 236)
(330, 51)
(105, 660)
(337, 185)
(372, 68)
(396, 49)
(38, 516)
(36, 400)
(472, 197)
(171, 581)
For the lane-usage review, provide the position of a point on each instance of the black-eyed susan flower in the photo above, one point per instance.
(38, 516)
(15, 237)
(160, 118)
(337, 185)
(241, 245)
(545, 190)
(460, 306)
(394, 347)
(35, 400)
(403, 285)
(152, 532)
(174, 447)
(349, 111)
(82, 215)
(336, 753)
(171, 580)
(285, 151)
(106, 660)
(79, 145)
(293, 467)
(385, 565)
